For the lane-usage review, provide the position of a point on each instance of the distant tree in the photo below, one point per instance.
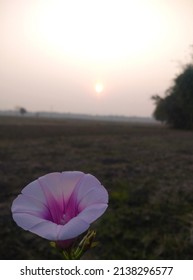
(22, 110)
(159, 112)
(176, 108)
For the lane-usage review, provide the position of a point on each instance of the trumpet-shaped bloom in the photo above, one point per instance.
(60, 206)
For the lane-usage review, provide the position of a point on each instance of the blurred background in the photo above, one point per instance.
(104, 87)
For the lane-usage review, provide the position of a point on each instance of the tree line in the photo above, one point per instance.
(176, 107)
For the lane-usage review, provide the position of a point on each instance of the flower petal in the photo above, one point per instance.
(94, 196)
(28, 204)
(88, 183)
(60, 185)
(93, 212)
(47, 230)
(73, 228)
(34, 190)
(37, 225)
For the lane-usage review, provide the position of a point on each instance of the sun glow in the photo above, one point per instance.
(99, 88)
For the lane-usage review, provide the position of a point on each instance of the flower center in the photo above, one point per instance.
(63, 220)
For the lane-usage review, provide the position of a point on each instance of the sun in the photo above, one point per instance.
(99, 87)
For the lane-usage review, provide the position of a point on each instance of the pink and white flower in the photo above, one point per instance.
(60, 206)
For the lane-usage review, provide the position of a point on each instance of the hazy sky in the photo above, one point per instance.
(54, 52)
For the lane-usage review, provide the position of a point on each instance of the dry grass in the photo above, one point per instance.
(148, 171)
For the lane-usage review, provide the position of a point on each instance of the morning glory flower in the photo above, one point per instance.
(60, 206)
